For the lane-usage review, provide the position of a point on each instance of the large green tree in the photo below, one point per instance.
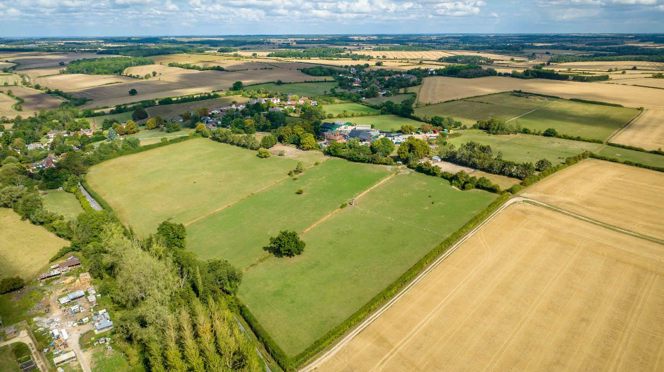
(287, 243)
(413, 149)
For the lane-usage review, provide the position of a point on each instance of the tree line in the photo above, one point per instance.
(105, 66)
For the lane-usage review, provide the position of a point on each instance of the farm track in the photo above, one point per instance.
(314, 365)
(358, 196)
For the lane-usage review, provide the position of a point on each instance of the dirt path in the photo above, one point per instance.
(25, 338)
(358, 196)
(93, 203)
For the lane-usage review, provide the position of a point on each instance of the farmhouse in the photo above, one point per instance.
(102, 321)
(70, 262)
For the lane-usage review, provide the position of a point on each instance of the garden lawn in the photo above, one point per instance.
(25, 248)
(63, 203)
(537, 113)
(524, 147)
(349, 109)
(97, 121)
(183, 181)
(386, 123)
(239, 232)
(354, 255)
(300, 89)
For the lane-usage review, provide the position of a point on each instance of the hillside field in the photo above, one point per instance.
(236, 201)
(531, 299)
(25, 248)
(349, 109)
(537, 113)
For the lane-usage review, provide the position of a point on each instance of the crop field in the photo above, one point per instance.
(441, 89)
(386, 123)
(107, 91)
(526, 148)
(300, 89)
(63, 203)
(25, 248)
(534, 299)
(7, 106)
(35, 100)
(349, 109)
(537, 113)
(621, 154)
(10, 79)
(44, 60)
(647, 131)
(174, 110)
(615, 194)
(236, 201)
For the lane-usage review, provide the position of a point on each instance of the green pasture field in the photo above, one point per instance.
(174, 110)
(586, 120)
(239, 232)
(300, 89)
(25, 248)
(151, 136)
(63, 203)
(183, 181)
(298, 300)
(387, 123)
(524, 147)
(641, 157)
(232, 202)
(397, 98)
(349, 109)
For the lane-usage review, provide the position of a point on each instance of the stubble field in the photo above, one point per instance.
(441, 89)
(627, 197)
(236, 201)
(534, 299)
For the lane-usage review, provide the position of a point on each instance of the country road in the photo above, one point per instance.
(91, 200)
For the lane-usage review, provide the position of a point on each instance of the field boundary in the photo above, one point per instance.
(356, 197)
(395, 287)
(624, 127)
(494, 209)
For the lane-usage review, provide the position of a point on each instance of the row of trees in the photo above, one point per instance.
(478, 156)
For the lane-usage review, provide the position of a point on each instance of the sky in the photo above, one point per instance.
(58, 18)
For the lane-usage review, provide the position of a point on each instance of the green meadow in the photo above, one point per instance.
(362, 223)
(537, 113)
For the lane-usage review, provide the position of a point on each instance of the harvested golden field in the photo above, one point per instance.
(10, 79)
(77, 82)
(647, 131)
(555, 293)
(25, 248)
(440, 89)
(183, 82)
(431, 55)
(627, 197)
(606, 65)
(640, 81)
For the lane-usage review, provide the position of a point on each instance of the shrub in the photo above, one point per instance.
(550, 132)
(287, 243)
(299, 192)
(263, 153)
(11, 284)
(268, 141)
